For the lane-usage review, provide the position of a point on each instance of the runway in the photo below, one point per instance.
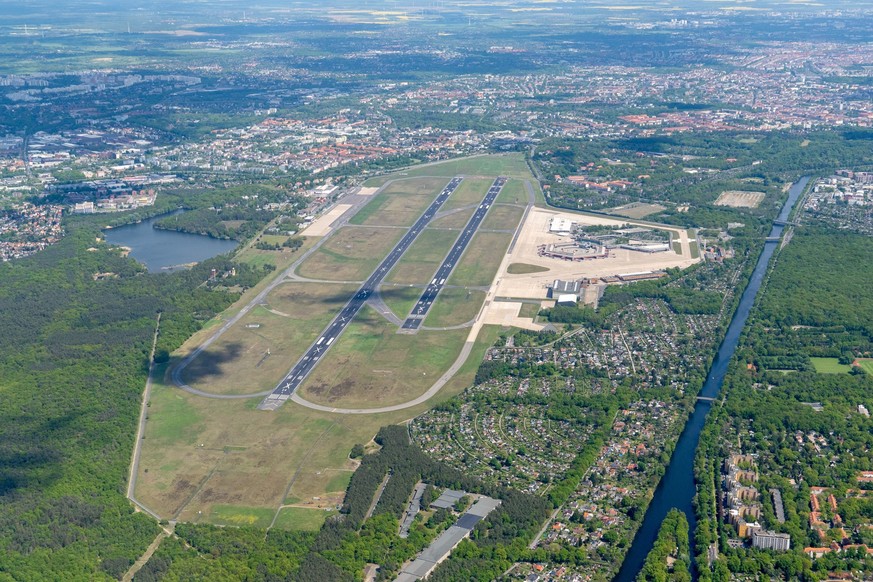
(316, 351)
(425, 302)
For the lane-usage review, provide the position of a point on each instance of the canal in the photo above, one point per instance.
(166, 250)
(677, 488)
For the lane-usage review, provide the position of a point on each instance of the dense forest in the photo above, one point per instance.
(669, 559)
(75, 355)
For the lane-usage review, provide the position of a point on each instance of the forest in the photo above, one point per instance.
(75, 356)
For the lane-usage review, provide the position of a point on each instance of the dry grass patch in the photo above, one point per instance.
(740, 199)
(400, 203)
(456, 220)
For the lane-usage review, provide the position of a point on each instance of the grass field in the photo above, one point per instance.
(456, 220)
(302, 518)
(401, 203)
(480, 261)
(830, 366)
(249, 457)
(469, 193)
(503, 218)
(524, 269)
(529, 310)
(867, 365)
(511, 165)
(237, 363)
(400, 299)
(372, 365)
(454, 307)
(423, 257)
(237, 515)
(513, 192)
(351, 254)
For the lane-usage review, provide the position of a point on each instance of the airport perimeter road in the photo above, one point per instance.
(425, 302)
(310, 359)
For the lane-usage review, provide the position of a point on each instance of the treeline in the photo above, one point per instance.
(672, 542)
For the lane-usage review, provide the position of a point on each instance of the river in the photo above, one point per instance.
(166, 250)
(677, 488)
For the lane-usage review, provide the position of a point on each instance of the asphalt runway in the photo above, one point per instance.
(425, 302)
(310, 359)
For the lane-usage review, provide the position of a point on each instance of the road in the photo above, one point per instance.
(425, 302)
(316, 351)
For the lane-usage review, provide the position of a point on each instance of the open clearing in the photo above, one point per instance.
(502, 217)
(372, 365)
(830, 366)
(423, 258)
(238, 362)
(513, 192)
(302, 518)
(457, 220)
(351, 254)
(637, 209)
(454, 307)
(740, 199)
(400, 203)
(469, 193)
(480, 261)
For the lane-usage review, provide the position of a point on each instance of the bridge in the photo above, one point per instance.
(778, 222)
(706, 398)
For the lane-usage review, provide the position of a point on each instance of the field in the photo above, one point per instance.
(740, 199)
(480, 261)
(302, 518)
(454, 307)
(513, 193)
(351, 254)
(510, 165)
(372, 365)
(400, 203)
(457, 220)
(502, 217)
(423, 258)
(830, 366)
(637, 209)
(469, 193)
(867, 365)
(400, 299)
(238, 362)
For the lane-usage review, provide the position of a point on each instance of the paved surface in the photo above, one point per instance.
(425, 302)
(441, 547)
(316, 351)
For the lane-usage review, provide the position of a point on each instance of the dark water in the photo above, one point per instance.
(166, 250)
(676, 488)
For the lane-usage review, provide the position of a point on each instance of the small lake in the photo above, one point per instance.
(166, 250)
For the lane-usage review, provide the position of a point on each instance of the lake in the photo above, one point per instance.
(166, 250)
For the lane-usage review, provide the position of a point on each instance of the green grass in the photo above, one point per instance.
(340, 482)
(503, 218)
(178, 422)
(423, 258)
(529, 310)
(510, 165)
(454, 307)
(830, 366)
(867, 365)
(372, 365)
(239, 516)
(302, 518)
(524, 269)
(350, 254)
(469, 193)
(513, 192)
(481, 260)
(400, 299)
(400, 203)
